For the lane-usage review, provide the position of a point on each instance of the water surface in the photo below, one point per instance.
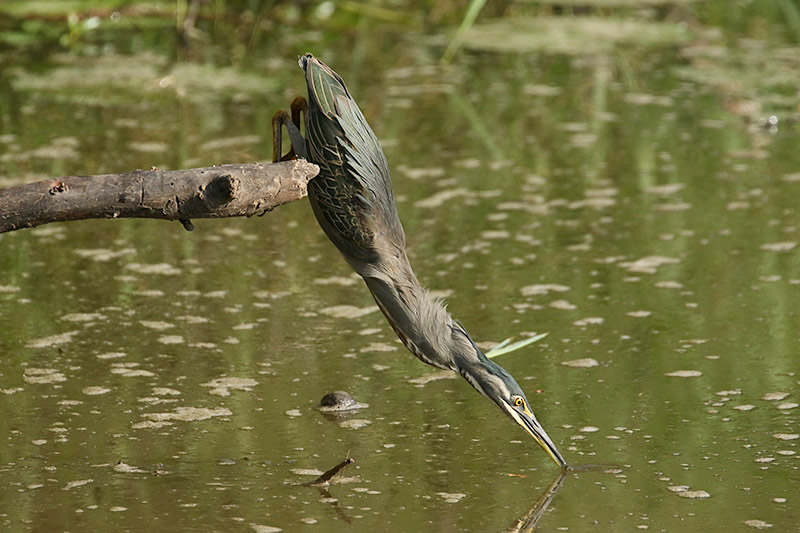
(644, 216)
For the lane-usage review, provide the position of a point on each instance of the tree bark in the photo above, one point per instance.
(212, 192)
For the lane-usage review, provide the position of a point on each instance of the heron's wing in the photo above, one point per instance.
(352, 194)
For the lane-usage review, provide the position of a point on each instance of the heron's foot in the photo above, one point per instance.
(292, 123)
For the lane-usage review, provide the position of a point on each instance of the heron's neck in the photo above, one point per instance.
(420, 320)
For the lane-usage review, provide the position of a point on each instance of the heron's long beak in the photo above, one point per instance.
(529, 423)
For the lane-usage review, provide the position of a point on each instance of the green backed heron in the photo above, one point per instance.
(353, 202)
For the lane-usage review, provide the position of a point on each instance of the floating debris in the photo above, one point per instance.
(151, 293)
(125, 468)
(786, 436)
(419, 173)
(649, 264)
(101, 255)
(563, 305)
(223, 386)
(684, 492)
(306, 471)
(378, 347)
(452, 497)
(355, 423)
(156, 324)
(432, 376)
(43, 376)
(773, 396)
(786, 405)
(745, 407)
(758, 524)
(684, 374)
(495, 234)
(348, 311)
(587, 362)
(439, 198)
(83, 317)
(639, 314)
(265, 529)
(164, 269)
(155, 400)
(189, 414)
(171, 339)
(536, 290)
(77, 483)
(779, 247)
(191, 319)
(95, 391)
(52, 340)
(129, 370)
(666, 189)
(165, 391)
(588, 321)
(111, 355)
(335, 280)
(151, 424)
(216, 294)
(694, 494)
(293, 412)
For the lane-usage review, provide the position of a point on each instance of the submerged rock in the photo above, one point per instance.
(338, 401)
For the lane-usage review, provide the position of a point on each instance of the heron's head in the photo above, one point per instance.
(494, 382)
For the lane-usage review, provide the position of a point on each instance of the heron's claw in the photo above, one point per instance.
(292, 123)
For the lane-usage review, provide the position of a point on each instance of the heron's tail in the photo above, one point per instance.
(324, 85)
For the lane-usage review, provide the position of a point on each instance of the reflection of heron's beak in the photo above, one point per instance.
(529, 423)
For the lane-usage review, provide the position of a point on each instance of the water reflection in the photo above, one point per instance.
(530, 520)
(325, 480)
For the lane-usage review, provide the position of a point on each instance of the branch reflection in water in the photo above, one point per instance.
(528, 521)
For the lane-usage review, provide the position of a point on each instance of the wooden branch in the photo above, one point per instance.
(212, 192)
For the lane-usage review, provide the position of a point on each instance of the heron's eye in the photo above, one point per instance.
(518, 402)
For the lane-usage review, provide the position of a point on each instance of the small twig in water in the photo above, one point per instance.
(324, 478)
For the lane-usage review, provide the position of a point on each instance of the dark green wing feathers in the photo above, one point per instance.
(352, 195)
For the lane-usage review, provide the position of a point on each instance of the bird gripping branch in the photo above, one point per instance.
(353, 201)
